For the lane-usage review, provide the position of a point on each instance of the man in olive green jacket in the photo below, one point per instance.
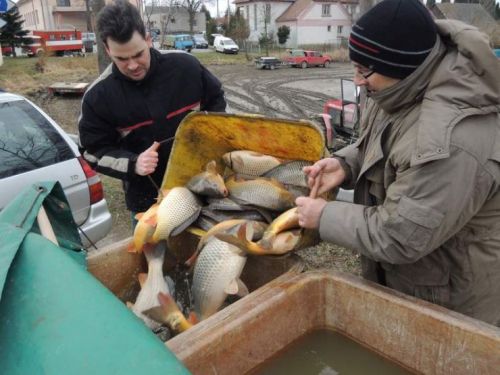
(426, 168)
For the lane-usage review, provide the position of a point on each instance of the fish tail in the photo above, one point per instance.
(267, 241)
(192, 259)
(173, 315)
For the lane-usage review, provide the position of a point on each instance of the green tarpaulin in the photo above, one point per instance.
(56, 318)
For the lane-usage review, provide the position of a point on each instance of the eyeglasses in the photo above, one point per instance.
(363, 72)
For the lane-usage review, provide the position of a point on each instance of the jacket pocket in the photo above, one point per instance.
(427, 279)
(413, 224)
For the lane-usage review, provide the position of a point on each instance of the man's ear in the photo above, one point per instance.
(106, 48)
(149, 40)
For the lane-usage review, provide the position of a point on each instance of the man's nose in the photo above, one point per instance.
(359, 81)
(132, 65)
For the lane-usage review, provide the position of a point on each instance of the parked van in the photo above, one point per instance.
(179, 41)
(225, 45)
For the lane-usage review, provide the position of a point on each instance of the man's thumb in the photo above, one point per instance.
(154, 146)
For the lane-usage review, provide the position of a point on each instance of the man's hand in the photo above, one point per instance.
(330, 173)
(310, 210)
(147, 161)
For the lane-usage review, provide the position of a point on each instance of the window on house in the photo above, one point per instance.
(255, 16)
(63, 3)
(325, 10)
(172, 20)
(329, 28)
(339, 29)
(194, 22)
(268, 13)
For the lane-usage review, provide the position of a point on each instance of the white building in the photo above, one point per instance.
(310, 21)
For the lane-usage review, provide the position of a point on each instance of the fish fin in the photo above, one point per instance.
(232, 287)
(241, 241)
(211, 167)
(267, 241)
(129, 304)
(152, 220)
(196, 231)
(171, 313)
(157, 314)
(186, 224)
(131, 248)
(139, 215)
(193, 318)
(142, 278)
(236, 287)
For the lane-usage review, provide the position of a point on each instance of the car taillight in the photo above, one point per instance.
(96, 191)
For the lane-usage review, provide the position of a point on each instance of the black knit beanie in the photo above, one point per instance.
(393, 38)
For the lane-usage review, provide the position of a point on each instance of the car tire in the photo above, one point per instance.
(326, 64)
(272, 67)
(303, 65)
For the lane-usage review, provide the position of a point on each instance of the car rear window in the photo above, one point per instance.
(27, 140)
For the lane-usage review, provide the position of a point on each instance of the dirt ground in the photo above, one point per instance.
(284, 92)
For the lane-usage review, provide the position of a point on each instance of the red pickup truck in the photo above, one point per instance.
(303, 59)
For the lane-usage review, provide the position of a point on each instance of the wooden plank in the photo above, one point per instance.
(68, 87)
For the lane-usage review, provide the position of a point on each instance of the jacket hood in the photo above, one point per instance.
(469, 71)
(459, 78)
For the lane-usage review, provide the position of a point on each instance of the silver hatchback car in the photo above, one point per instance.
(34, 148)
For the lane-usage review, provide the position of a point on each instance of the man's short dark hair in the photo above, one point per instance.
(118, 21)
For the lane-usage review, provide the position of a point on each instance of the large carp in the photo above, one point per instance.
(179, 209)
(154, 284)
(261, 192)
(217, 274)
(250, 163)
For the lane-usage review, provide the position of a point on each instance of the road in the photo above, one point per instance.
(284, 92)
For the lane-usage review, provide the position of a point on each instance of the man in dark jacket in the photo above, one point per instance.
(426, 168)
(139, 102)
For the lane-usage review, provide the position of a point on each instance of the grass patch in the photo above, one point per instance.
(21, 76)
(216, 58)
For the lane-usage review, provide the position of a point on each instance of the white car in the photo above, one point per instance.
(34, 148)
(225, 45)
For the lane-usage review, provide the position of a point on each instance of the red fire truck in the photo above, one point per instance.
(58, 42)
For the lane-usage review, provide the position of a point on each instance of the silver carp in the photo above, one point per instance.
(217, 275)
(290, 173)
(179, 209)
(250, 163)
(260, 192)
(155, 283)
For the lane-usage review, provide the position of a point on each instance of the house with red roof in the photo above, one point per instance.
(310, 21)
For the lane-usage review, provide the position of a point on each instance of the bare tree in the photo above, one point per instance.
(192, 7)
(103, 59)
(148, 12)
